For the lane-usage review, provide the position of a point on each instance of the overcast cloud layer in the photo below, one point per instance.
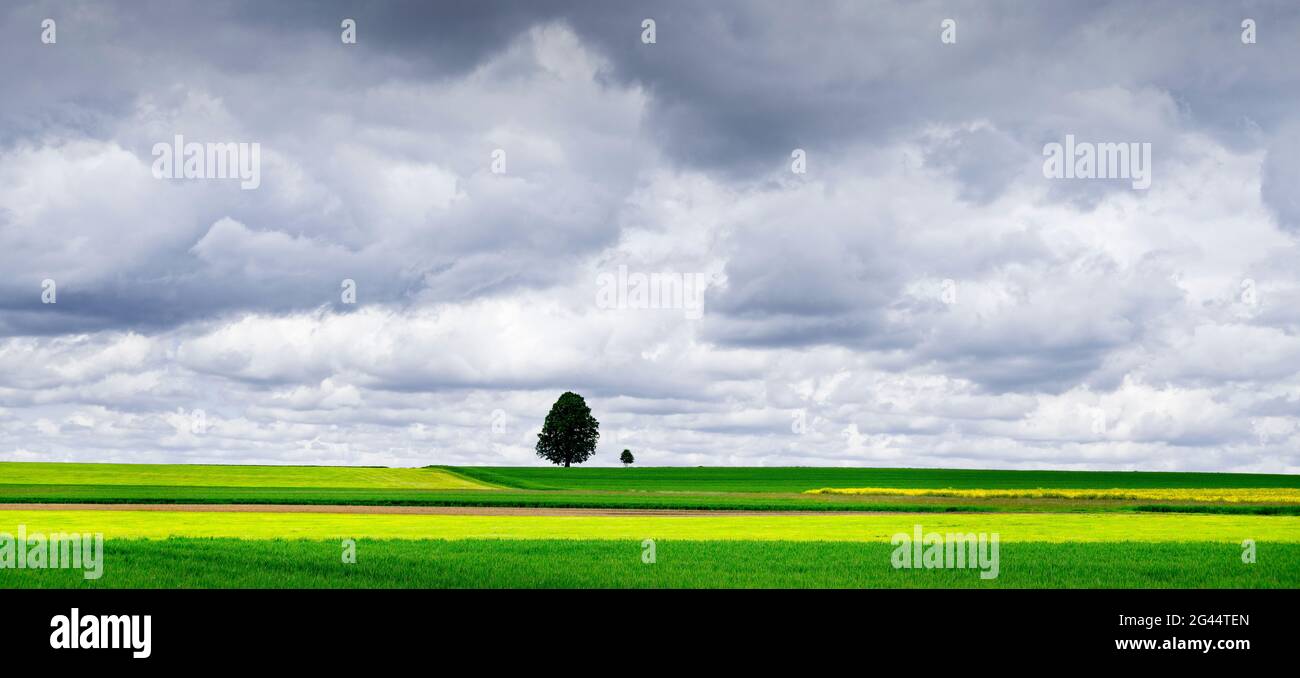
(921, 296)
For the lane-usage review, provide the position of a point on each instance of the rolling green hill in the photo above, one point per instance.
(800, 479)
(195, 475)
(625, 488)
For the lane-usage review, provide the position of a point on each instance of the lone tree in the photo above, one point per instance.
(570, 433)
(627, 458)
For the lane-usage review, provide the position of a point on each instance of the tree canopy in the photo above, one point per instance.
(569, 433)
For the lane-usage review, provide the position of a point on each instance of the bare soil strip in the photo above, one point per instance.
(421, 510)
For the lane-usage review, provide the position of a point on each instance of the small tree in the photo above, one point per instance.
(627, 458)
(569, 433)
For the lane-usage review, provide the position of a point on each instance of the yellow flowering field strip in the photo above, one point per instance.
(1278, 495)
(1013, 527)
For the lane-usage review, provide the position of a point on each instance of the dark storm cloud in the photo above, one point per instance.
(732, 87)
(924, 176)
(277, 74)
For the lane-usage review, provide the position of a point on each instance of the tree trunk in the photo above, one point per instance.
(566, 463)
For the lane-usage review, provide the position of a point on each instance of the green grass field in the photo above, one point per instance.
(156, 494)
(801, 479)
(749, 501)
(233, 563)
(760, 489)
(1049, 539)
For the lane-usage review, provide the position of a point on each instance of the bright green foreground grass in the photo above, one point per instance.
(29, 473)
(232, 563)
(800, 479)
(1080, 527)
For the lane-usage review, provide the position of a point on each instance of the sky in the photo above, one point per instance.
(750, 233)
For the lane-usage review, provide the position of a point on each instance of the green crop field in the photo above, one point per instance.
(1054, 529)
(801, 479)
(758, 489)
(748, 501)
(155, 494)
(471, 563)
